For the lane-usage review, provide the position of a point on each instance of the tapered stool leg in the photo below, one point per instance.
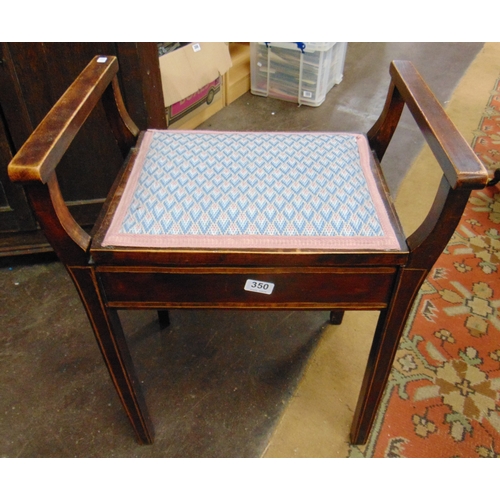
(112, 343)
(383, 351)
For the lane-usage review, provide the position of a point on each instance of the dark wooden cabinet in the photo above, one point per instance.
(32, 78)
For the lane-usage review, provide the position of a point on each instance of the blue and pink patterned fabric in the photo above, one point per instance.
(294, 190)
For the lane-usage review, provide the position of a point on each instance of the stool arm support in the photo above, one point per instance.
(35, 163)
(460, 164)
(380, 135)
(122, 125)
(429, 240)
(462, 170)
(39, 156)
(66, 236)
(458, 161)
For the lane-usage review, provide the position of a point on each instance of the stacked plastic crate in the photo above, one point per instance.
(302, 72)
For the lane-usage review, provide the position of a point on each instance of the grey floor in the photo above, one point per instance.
(216, 382)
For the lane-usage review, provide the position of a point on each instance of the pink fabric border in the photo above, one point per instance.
(115, 238)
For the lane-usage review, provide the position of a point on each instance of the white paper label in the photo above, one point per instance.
(196, 47)
(307, 94)
(259, 287)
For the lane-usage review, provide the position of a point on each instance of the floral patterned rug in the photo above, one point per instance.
(443, 397)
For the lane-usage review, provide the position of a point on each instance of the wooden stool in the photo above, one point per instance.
(256, 220)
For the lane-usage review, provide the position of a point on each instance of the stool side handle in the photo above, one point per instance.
(40, 154)
(458, 161)
(35, 163)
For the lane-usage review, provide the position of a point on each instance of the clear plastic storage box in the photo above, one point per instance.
(301, 72)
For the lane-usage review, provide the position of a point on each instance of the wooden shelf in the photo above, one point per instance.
(237, 79)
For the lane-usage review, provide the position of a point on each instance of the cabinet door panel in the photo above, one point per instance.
(15, 214)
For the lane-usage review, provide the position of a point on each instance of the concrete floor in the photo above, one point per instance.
(216, 382)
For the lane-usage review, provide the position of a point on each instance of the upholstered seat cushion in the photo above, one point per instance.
(199, 189)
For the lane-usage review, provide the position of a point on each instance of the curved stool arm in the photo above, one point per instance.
(35, 163)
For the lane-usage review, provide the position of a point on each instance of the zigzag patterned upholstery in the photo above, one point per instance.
(252, 190)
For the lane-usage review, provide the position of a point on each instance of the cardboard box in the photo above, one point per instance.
(192, 82)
